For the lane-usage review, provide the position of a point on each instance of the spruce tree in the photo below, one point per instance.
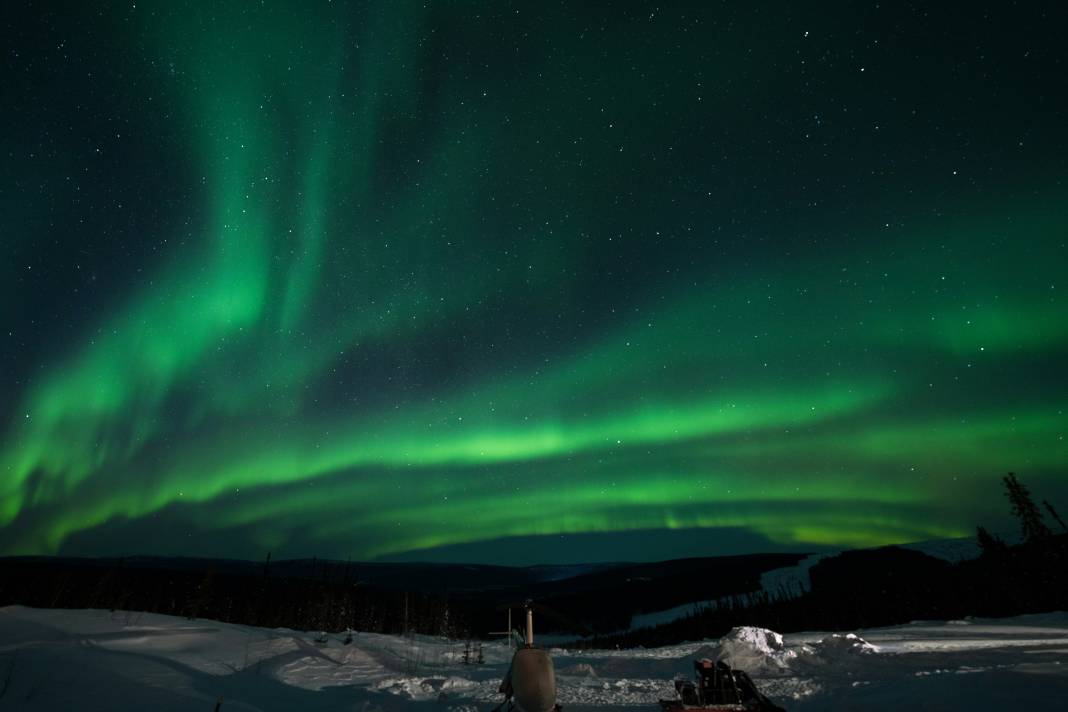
(988, 543)
(1024, 508)
(1053, 513)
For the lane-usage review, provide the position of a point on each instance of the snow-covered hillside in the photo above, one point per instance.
(98, 660)
(794, 580)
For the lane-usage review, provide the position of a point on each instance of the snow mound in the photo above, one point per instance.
(579, 669)
(837, 645)
(761, 639)
(751, 649)
(420, 689)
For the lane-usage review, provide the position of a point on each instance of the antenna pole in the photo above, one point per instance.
(530, 627)
(508, 632)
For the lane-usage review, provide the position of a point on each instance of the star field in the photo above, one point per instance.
(369, 279)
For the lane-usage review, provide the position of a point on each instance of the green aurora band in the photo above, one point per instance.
(380, 326)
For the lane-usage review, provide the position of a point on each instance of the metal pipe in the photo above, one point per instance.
(734, 685)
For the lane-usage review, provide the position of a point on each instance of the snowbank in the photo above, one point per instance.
(838, 645)
(56, 660)
(755, 650)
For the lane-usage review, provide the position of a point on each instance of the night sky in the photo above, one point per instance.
(523, 282)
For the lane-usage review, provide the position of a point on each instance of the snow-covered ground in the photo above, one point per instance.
(97, 660)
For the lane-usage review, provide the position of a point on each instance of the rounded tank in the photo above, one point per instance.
(533, 680)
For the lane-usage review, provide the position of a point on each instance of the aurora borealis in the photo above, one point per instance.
(374, 279)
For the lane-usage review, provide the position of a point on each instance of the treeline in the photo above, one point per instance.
(855, 589)
(606, 600)
(455, 600)
(331, 600)
(892, 585)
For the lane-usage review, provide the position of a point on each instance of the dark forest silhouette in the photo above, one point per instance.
(854, 589)
(893, 585)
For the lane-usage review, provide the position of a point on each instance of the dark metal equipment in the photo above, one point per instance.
(530, 683)
(719, 687)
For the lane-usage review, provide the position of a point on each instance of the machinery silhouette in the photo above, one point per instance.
(530, 683)
(718, 687)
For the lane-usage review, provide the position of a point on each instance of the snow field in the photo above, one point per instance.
(100, 660)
